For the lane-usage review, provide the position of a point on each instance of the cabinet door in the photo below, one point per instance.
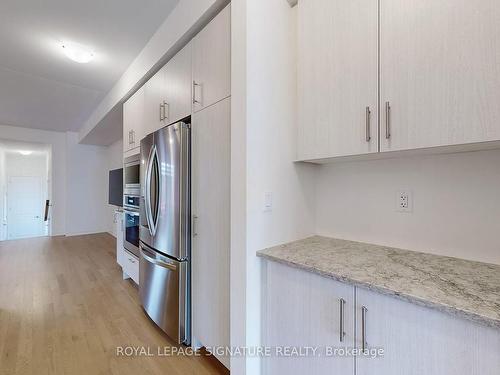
(212, 62)
(128, 115)
(133, 113)
(178, 84)
(154, 97)
(210, 208)
(418, 340)
(119, 237)
(301, 310)
(439, 70)
(337, 78)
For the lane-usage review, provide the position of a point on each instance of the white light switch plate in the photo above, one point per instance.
(268, 201)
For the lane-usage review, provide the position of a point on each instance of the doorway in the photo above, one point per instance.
(25, 188)
(24, 207)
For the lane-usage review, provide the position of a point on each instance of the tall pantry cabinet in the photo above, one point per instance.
(210, 184)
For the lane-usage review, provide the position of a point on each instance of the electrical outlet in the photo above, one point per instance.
(404, 201)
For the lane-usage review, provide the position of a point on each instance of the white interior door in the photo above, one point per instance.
(24, 207)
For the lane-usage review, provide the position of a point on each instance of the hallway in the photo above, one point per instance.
(64, 309)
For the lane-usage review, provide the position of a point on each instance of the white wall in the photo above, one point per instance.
(87, 175)
(114, 156)
(57, 142)
(456, 203)
(263, 146)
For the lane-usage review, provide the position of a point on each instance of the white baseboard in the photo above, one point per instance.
(85, 233)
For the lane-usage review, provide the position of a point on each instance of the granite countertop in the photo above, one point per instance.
(460, 287)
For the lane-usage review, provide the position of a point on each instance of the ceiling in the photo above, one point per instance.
(39, 86)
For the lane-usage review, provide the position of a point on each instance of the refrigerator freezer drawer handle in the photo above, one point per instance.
(160, 263)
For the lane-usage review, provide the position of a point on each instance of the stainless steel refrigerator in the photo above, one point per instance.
(164, 274)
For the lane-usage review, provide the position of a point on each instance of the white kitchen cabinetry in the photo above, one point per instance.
(211, 134)
(337, 78)
(439, 70)
(418, 340)
(133, 120)
(168, 93)
(119, 237)
(178, 84)
(154, 103)
(437, 75)
(212, 62)
(302, 309)
(130, 266)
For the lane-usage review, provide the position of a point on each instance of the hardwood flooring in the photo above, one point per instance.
(64, 309)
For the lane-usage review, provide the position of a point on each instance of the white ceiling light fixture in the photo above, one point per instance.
(25, 152)
(77, 52)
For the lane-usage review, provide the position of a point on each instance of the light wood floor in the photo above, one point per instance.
(64, 309)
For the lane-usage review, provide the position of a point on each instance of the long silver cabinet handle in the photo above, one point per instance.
(195, 85)
(387, 120)
(364, 343)
(161, 112)
(165, 112)
(367, 124)
(195, 227)
(341, 328)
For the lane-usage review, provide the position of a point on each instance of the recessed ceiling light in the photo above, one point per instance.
(25, 152)
(77, 52)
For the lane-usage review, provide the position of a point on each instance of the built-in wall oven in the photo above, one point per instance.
(131, 222)
(131, 202)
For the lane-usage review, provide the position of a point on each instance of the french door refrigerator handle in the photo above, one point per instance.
(158, 262)
(147, 195)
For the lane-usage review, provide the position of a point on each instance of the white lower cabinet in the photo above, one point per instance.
(301, 309)
(131, 266)
(417, 340)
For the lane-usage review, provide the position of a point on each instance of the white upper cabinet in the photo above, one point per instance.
(212, 62)
(337, 78)
(178, 83)
(154, 106)
(440, 72)
(133, 123)
(168, 93)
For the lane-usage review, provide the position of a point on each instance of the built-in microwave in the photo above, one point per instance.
(131, 175)
(131, 201)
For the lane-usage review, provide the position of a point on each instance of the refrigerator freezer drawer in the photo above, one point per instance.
(164, 292)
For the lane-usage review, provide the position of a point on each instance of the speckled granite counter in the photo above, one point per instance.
(460, 287)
